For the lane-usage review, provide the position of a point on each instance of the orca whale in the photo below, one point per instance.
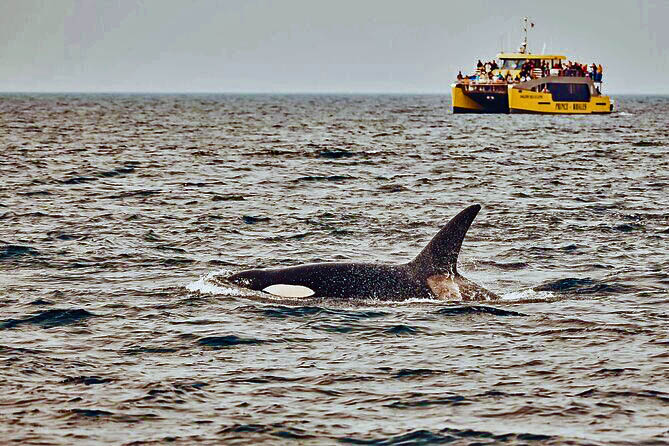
(432, 274)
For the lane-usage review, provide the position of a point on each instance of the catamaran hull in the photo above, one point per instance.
(523, 101)
(570, 96)
(479, 102)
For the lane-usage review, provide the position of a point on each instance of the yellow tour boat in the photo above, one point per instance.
(531, 83)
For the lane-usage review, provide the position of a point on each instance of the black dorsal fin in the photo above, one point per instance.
(440, 256)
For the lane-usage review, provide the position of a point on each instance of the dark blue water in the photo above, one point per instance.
(121, 216)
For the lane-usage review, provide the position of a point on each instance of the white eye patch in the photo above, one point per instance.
(282, 290)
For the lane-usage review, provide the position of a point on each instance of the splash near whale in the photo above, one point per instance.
(432, 274)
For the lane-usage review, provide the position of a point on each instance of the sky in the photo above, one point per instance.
(303, 46)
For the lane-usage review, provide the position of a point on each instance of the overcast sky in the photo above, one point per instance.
(414, 46)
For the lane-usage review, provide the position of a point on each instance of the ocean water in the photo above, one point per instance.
(121, 216)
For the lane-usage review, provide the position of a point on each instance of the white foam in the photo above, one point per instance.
(206, 285)
(529, 294)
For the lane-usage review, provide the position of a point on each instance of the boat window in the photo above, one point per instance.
(512, 64)
(570, 92)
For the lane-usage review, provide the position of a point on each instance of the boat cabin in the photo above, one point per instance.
(574, 89)
(513, 62)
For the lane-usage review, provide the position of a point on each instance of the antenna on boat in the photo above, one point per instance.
(523, 45)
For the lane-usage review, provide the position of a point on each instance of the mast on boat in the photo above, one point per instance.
(523, 44)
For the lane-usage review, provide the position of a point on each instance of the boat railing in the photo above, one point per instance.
(494, 86)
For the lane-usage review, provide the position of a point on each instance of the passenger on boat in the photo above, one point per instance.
(460, 76)
(480, 68)
(600, 71)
